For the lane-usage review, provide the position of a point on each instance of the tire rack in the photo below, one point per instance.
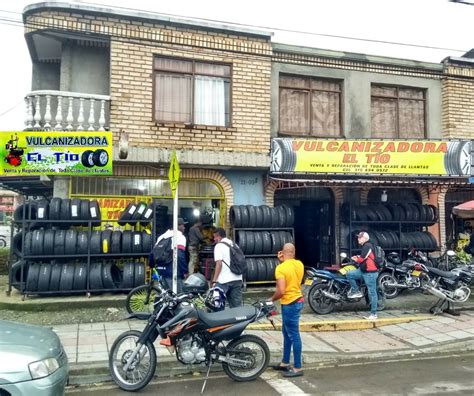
(401, 224)
(25, 227)
(291, 230)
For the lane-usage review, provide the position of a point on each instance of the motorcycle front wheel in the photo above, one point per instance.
(318, 302)
(140, 371)
(390, 291)
(253, 351)
(138, 300)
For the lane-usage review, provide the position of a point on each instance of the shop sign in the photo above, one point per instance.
(372, 157)
(55, 153)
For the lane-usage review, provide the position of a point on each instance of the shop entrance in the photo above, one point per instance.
(314, 223)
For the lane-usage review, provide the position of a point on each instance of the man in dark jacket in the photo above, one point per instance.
(367, 271)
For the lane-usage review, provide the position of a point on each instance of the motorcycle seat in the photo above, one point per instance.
(228, 316)
(444, 274)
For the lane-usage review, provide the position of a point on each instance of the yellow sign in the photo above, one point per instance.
(376, 157)
(173, 173)
(55, 153)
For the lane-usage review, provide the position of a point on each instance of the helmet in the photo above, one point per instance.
(215, 299)
(394, 258)
(195, 283)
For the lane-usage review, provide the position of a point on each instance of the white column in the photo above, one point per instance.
(37, 116)
(102, 115)
(59, 114)
(91, 115)
(47, 113)
(29, 112)
(80, 117)
(69, 117)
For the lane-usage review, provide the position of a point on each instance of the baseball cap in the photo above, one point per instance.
(181, 221)
(363, 234)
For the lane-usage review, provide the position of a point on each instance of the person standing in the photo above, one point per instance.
(223, 277)
(289, 276)
(165, 268)
(368, 271)
(195, 238)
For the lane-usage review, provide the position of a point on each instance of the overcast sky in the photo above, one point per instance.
(430, 23)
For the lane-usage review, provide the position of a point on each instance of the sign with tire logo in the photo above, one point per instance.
(430, 158)
(52, 153)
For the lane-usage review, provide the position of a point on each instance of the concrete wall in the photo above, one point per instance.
(247, 186)
(356, 85)
(45, 76)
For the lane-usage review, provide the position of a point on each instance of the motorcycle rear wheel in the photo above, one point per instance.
(136, 300)
(142, 369)
(252, 349)
(390, 291)
(318, 302)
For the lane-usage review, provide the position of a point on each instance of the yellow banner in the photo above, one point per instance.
(376, 157)
(55, 153)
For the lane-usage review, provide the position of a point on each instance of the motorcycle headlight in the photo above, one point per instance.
(43, 368)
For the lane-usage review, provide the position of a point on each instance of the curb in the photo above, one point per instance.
(340, 325)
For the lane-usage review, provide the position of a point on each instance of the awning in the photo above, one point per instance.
(465, 210)
(28, 185)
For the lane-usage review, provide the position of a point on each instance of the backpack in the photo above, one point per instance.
(379, 256)
(238, 264)
(163, 251)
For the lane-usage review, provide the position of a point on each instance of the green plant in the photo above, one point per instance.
(462, 257)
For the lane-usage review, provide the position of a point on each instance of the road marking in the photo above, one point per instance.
(282, 386)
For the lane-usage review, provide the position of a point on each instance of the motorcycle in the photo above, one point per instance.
(330, 287)
(195, 336)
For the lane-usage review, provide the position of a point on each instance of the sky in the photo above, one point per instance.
(420, 23)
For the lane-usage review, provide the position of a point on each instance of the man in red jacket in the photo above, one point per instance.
(367, 271)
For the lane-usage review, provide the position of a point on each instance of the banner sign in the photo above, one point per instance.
(371, 157)
(55, 153)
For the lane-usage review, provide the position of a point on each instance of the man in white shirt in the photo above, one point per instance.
(223, 277)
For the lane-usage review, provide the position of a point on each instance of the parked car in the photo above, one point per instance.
(32, 361)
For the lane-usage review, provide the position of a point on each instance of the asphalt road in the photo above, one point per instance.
(448, 375)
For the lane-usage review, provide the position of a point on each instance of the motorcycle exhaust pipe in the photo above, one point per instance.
(331, 296)
(438, 293)
(397, 285)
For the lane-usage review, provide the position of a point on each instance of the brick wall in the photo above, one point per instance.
(133, 44)
(458, 102)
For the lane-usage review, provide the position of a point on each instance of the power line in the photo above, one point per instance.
(11, 108)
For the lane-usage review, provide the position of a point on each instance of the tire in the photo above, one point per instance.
(250, 243)
(241, 240)
(258, 242)
(16, 275)
(44, 277)
(100, 158)
(86, 159)
(290, 216)
(18, 243)
(65, 213)
(67, 277)
(261, 269)
(141, 208)
(42, 214)
(116, 242)
(137, 242)
(82, 242)
(128, 277)
(276, 241)
(37, 241)
(139, 301)
(251, 270)
(94, 213)
(390, 292)
(147, 215)
(70, 242)
(235, 216)
(80, 276)
(95, 276)
(84, 213)
(127, 241)
(266, 242)
(139, 276)
(55, 210)
(123, 346)
(95, 242)
(55, 280)
(32, 278)
(243, 348)
(59, 242)
(147, 243)
(105, 241)
(127, 214)
(110, 279)
(267, 216)
(283, 157)
(258, 217)
(48, 242)
(317, 301)
(244, 215)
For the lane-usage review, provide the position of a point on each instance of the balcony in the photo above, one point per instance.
(66, 111)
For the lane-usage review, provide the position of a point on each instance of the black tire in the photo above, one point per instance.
(55, 280)
(371, 215)
(128, 276)
(37, 241)
(258, 242)
(267, 216)
(147, 215)
(105, 241)
(32, 277)
(258, 217)
(140, 299)
(318, 302)
(266, 242)
(244, 215)
(116, 361)
(434, 242)
(18, 279)
(44, 277)
(95, 276)
(239, 348)
(139, 276)
(42, 214)
(48, 242)
(290, 216)
(283, 157)
(147, 243)
(65, 213)
(137, 242)
(241, 240)
(86, 159)
(116, 242)
(59, 242)
(127, 214)
(67, 277)
(70, 242)
(55, 210)
(281, 213)
(18, 243)
(390, 291)
(250, 242)
(75, 215)
(100, 158)
(85, 215)
(95, 242)
(94, 213)
(252, 216)
(235, 216)
(110, 276)
(276, 241)
(82, 243)
(415, 209)
(141, 208)
(127, 241)
(251, 270)
(261, 269)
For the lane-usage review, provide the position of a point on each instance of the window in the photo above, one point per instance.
(309, 106)
(191, 92)
(398, 112)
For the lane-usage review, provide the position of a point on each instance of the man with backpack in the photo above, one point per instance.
(228, 273)
(368, 270)
(162, 255)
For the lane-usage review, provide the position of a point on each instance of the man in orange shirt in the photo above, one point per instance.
(289, 276)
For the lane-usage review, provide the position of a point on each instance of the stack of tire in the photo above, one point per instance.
(404, 212)
(388, 239)
(136, 212)
(261, 231)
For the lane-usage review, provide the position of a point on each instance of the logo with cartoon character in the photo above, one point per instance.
(15, 153)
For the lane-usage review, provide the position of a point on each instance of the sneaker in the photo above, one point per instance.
(371, 317)
(356, 294)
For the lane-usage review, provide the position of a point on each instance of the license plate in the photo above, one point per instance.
(416, 273)
(308, 282)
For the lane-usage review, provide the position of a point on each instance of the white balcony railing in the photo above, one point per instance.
(66, 111)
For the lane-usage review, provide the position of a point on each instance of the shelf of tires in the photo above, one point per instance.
(59, 248)
(261, 231)
(393, 226)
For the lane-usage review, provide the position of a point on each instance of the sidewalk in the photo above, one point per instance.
(396, 334)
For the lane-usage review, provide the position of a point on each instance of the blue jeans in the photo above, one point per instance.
(233, 292)
(291, 332)
(370, 279)
(169, 281)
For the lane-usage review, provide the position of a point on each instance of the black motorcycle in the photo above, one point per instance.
(195, 336)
